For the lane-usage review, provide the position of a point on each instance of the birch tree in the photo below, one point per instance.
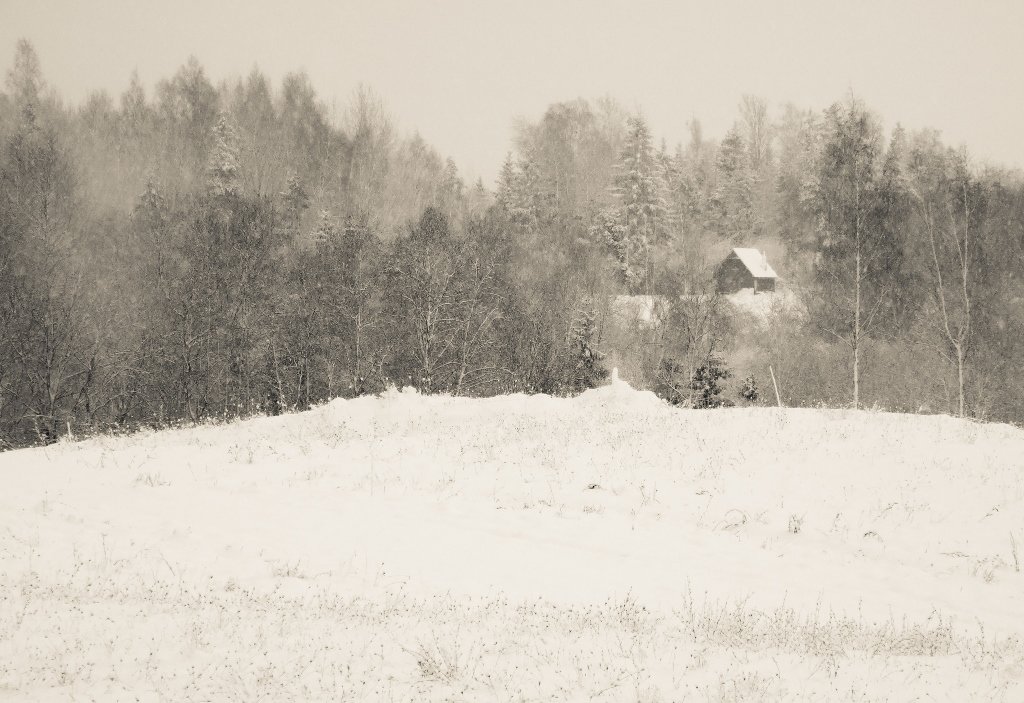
(852, 265)
(948, 202)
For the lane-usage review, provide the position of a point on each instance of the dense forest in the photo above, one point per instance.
(215, 251)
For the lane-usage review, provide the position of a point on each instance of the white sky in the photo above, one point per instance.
(460, 71)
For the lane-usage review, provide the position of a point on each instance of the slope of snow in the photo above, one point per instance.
(607, 547)
(764, 306)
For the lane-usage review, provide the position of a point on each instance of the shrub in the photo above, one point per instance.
(749, 390)
(706, 383)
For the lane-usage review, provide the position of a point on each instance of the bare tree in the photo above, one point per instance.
(757, 131)
(947, 203)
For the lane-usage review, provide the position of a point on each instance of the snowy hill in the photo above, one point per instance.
(606, 548)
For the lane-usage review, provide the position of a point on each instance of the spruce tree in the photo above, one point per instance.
(640, 187)
(588, 370)
(295, 200)
(223, 168)
(734, 195)
(507, 185)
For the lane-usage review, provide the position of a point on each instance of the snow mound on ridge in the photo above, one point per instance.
(618, 393)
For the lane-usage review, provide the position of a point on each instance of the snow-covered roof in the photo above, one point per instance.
(756, 262)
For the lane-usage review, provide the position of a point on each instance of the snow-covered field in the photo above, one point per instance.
(602, 548)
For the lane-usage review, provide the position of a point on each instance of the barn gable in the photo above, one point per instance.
(745, 268)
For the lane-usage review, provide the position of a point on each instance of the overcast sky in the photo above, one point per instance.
(461, 72)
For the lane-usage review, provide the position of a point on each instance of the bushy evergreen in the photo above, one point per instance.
(749, 390)
(706, 383)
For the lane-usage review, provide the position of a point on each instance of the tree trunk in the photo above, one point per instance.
(965, 327)
(357, 386)
(960, 377)
(305, 383)
(856, 326)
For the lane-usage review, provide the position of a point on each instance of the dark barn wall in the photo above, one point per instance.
(764, 285)
(733, 276)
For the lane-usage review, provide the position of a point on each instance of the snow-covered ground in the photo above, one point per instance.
(765, 306)
(650, 310)
(602, 548)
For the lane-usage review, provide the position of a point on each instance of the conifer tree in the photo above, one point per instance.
(734, 196)
(639, 186)
(451, 190)
(507, 184)
(223, 166)
(588, 370)
(295, 200)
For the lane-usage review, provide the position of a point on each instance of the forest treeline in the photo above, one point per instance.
(219, 251)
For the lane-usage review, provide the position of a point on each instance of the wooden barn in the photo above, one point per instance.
(745, 268)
